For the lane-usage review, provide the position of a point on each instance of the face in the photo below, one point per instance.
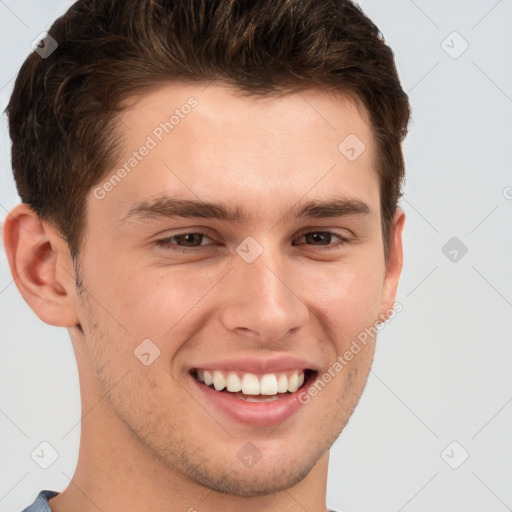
(241, 246)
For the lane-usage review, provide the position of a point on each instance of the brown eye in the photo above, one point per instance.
(191, 240)
(323, 238)
(318, 237)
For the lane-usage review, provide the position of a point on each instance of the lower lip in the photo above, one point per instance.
(261, 414)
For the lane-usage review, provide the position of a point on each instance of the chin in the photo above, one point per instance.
(282, 465)
(259, 480)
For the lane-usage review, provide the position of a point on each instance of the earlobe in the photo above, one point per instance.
(35, 253)
(393, 266)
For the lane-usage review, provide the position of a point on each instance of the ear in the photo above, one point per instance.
(393, 265)
(41, 266)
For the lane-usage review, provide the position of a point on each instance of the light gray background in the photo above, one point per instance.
(442, 370)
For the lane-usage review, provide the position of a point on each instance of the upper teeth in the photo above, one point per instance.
(251, 384)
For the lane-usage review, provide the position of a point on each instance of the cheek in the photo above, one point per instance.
(118, 356)
(346, 299)
(147, 302)
(343, 297)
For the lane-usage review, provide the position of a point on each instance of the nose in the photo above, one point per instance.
(262, 299)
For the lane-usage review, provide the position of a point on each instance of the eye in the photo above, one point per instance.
(190, 239)
(323, 238)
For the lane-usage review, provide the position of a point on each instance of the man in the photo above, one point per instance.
(210, 208)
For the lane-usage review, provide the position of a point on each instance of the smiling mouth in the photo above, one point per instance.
(255, 388)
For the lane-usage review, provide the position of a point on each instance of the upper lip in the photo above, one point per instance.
(272, 364)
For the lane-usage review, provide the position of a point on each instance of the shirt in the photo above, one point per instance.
(41, 503)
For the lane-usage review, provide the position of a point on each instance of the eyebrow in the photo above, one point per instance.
(187, 208)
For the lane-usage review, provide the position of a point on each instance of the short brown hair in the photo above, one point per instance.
(62, 113)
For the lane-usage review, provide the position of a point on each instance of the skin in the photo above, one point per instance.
(148, 437)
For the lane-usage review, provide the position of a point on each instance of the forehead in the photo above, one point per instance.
(212, 142)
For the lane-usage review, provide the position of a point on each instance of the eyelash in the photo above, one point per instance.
(168, 244)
